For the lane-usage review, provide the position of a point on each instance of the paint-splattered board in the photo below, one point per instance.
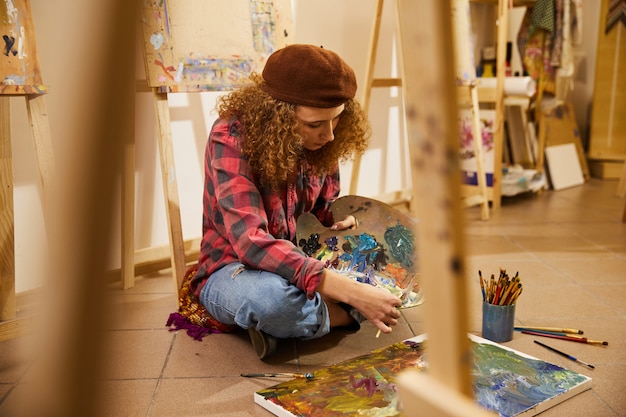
(211, 45)
(374, 217)
(505, 380)
(19, 61)
(384, 242)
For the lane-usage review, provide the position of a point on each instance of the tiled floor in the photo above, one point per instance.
(568, 246)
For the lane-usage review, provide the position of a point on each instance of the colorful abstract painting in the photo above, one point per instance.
(210, 45)
(505, 380)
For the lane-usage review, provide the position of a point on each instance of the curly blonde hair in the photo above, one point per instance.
(271, 141)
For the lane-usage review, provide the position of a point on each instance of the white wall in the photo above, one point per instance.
(343, 26)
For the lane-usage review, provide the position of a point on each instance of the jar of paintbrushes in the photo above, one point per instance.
(499, 298)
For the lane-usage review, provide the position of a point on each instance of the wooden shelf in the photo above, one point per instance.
(516, 3)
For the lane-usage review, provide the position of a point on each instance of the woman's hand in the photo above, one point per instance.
(350, 222)
(376, 304)
(379, 306)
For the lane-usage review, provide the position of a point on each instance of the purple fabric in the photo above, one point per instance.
(180, 322)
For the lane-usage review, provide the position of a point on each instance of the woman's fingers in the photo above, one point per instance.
(349, 222)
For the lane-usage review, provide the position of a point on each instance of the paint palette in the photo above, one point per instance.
(381, 251)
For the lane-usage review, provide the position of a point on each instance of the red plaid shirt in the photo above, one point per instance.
(242, 221)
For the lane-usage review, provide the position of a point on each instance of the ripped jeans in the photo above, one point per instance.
(245, 297)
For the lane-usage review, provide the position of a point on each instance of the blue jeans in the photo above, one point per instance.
(245, 297)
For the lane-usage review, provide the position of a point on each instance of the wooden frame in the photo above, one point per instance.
(172, 67)
(21, 77)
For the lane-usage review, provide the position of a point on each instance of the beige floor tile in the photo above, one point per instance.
(537, 304)
(230, 396)
(136, 353)
(609, 384)
(16, 356)
(127, 398)
(603, 269)
(19, 402)
(132, 311)
(612, 294)
(548, 247)
(222, 355)
(498, 247)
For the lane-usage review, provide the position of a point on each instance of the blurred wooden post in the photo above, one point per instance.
(431, 111)
(94, 124)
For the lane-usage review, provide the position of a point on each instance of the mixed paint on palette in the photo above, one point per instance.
(381, 250)
(363, 258)
(505, 381)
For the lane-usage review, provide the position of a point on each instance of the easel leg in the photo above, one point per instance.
(128, 214)
(38, 118)
(170, 187)
(478, 150)
(621, 186)
(8, 306)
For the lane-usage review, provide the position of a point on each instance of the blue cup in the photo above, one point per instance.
(498, 322)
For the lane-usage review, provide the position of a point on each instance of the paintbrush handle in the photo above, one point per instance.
(568, 356)
(551, 329)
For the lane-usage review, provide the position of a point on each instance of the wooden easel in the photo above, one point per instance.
(446, 389)
(467, 96)
(401, 197)
(467, 99)
(172, 45)
(21, 77)
(473, 194)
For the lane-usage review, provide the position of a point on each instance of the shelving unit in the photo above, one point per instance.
(496, 95)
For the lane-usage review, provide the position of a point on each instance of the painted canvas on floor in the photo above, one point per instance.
(505, 380)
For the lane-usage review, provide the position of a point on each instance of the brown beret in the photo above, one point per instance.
(310, 76)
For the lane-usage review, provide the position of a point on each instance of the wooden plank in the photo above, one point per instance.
(159, 257)
(155, 259)
(22, 90)
(170, 186)
(608, 124)
(606, 169)
(397, 198)
(16, 327)
(387, 82)
(621, 187)
(426, 31)
(42, 138)
(128, 215)
(7, 236)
